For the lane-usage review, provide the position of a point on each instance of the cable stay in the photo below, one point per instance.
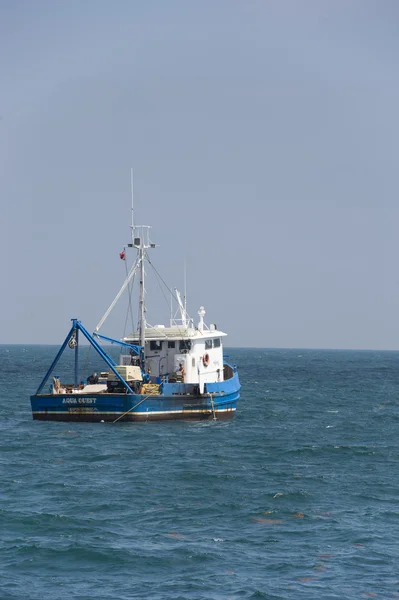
(119, 294)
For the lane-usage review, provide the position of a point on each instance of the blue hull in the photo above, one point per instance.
(220, 402)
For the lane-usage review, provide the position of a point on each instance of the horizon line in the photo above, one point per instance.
(301, 348)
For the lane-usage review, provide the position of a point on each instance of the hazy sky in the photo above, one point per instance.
(264, 137)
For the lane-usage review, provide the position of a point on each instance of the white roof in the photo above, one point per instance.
(176, 333)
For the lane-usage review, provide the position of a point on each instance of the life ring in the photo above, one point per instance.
(206, 360)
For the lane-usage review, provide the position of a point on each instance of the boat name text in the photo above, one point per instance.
(79, 401)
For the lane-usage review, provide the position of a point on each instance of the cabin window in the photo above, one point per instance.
(216, 343)
(185, 345)
(171, 344)
(208, 344)
(156, 345)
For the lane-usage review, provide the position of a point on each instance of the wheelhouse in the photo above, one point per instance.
(191, 354)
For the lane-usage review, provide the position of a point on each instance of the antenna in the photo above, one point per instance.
(131, 189)
(185, 287)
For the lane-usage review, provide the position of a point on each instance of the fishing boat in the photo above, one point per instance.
(162, 373)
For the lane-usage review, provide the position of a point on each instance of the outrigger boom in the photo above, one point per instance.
(72, 339)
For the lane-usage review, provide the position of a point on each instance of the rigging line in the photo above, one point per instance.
(160, 287)
(180, 329)
(144, 296)
(125, 283)
(138, 319)
(129, 289)
(135, 406)
(87, 358)
(163, 281)
(129, 308)
(129, 303)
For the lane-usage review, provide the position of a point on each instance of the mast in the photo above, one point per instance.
(140, 241)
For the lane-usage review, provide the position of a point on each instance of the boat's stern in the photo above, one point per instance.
(78, 407)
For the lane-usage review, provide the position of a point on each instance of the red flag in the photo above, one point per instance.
(122, 255)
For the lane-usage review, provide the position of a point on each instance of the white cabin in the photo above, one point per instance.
(198, 349)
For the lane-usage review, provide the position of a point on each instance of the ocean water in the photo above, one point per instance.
(295, 497)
